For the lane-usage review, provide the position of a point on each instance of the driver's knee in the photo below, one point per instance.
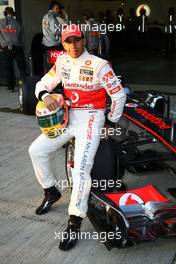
(33, 150)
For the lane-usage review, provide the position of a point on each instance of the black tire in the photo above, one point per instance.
(69, 161)
(27, 99)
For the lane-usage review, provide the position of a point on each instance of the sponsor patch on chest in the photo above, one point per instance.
(86, 72)
(66, 75)
(86, 78)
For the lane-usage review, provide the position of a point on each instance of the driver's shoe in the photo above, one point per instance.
(51, 196)
(71, 233)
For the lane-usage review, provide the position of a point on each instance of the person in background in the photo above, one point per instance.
(11, 45)
(131, 25)
(101, 17)
(120, 18)
(132, 20)
(108, 17)
(97, 41)
(170, 32)
(119, 36)
(52, 24)
(142, 29)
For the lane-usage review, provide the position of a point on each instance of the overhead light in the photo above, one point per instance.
(143, 6)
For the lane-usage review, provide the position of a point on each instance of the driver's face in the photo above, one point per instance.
(74, 46)
(56, 9)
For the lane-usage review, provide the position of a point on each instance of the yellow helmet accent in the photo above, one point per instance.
(52, 123)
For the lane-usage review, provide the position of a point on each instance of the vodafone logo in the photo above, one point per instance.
(55, 54)
(88, 62)
(130, 198)
(74, 97)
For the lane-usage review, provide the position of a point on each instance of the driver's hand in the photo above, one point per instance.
(51, 103)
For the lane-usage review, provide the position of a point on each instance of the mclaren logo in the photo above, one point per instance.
(130, 198)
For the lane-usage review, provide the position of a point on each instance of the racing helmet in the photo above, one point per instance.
(52, 123)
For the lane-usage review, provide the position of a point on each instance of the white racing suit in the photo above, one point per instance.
(87, 80)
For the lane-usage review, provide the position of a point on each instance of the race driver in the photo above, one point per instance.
(87, 80)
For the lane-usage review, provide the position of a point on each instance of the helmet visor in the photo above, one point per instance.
(51, 120)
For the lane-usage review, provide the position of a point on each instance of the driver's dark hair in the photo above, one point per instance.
(171, 10)
(52, 4)
(9, 11)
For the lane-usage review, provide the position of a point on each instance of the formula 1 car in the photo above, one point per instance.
(144, 143)
(129, 212)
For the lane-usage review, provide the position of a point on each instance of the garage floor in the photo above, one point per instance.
(26, 238)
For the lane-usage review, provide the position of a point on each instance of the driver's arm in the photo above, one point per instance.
(46, 85)
(112, 84)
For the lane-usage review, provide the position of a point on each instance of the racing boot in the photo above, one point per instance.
(71, 233)
(51, 196)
